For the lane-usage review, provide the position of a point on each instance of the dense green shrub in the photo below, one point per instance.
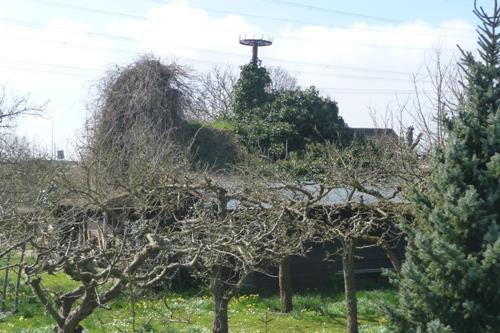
(279, 122)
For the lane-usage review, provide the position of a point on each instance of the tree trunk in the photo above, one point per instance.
(396, 264)
(78, 329)
(350, 287)
(222, 293)
(221, 324)
(285, 282)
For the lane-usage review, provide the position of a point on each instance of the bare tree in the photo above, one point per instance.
(248, 225)
(363, 205)
(431, 108)
(437, 95)
(22, 174)
(281, 79)
(16, 156)
(105, 230)
(148, 94)
(213, 95)
(12, 108)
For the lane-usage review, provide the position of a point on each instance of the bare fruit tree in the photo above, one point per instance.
(22, 175)
(110, 219)
(248, 225)
(104, 230)
(364, 204)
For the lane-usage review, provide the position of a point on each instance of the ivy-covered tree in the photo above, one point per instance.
(450, 280)
(290, 120)
(250, 90)
(282, 120)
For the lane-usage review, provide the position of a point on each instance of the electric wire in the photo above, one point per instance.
(225, 53)
(221, 11)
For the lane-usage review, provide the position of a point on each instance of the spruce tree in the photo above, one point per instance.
(450, 281)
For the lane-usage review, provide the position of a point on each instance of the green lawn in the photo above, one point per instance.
(192, 312)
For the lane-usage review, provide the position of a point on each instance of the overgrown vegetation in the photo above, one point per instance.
(277, 122)
(151, 96)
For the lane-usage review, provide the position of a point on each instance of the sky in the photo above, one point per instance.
(364, 54)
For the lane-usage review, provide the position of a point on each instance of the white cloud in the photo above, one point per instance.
(177, 30)
(196, 37)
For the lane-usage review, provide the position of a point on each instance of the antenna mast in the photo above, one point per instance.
(255, 42)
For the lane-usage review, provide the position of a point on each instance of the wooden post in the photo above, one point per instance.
(5, 283)
(18, 280)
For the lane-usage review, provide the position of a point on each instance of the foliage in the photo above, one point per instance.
(224, 125)
(315, 162)
(278, 117)
(290, 120)
(250, 90)
(450, 279)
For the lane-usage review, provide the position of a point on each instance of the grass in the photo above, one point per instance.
(191, 312)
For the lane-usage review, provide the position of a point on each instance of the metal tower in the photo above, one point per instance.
(255, 42)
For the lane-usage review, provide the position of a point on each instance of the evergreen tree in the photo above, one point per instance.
(450, 281)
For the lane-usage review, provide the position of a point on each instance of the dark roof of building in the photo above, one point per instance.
(373, 132)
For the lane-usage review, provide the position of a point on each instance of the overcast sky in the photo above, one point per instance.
(361, 53)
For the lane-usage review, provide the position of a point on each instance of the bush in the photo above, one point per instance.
(208, 147)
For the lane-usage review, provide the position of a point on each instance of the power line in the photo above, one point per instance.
(263, 17)
(457, 3)
(83, 46)
(334, 89)
(51, 65)
(88, 9)
(38, 70)
(220, 11)
(225, 53)
(332, 75)
(354, 14)
(279, 19)
(126, 38)
(335, 11)
(377, 78)
(388, 92)
(323, 41)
